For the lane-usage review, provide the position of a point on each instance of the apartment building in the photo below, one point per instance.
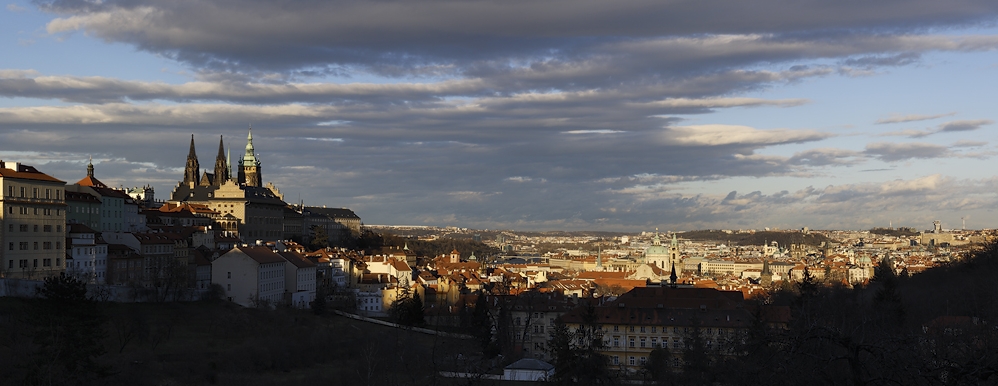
(32, 211)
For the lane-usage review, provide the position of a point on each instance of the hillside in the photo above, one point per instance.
(216, 343)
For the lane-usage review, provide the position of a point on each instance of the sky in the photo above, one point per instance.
(623, 115)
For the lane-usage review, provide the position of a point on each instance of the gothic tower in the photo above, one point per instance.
(249, 166)
(192, 172)
(221, 166)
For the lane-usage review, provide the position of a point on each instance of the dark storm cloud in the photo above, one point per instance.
(406, 34)
(525, 114)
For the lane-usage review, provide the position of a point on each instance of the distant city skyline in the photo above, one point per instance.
(545, 115)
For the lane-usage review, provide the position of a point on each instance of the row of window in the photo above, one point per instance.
(23, 263)
(654, 343)
(23, 245)
(654, 329)
(34, 211)
(24, 228)
(48, 193)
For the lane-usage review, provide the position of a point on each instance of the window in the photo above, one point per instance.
(58, 262)
(616, 341)
(630, 361)
(642, 342)
(10, 246)
(229, 275)
(630, 342)
(615, 328)
(48, 193)
(22, 191)
(616, 360)
(47, 245)
(35, 245)
(631, 328)
(58, 245)
(22, 246)
(23, 263)
(34, 192)
(34, 263)
(46, 228)
(23, 227)
(10, 264)
(47, 263)
(10, 191)
(709, 331)
(642, 328)
(35, 228)
(653, 329)
(644, 360)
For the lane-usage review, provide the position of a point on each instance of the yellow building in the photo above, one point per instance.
(32, 211)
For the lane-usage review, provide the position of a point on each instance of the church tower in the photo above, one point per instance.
(674, 257)
(221, 166)
(192, 172)
(249, 165)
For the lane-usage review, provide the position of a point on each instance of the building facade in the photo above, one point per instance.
(32, 214)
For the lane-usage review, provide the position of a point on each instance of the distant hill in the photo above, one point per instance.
(757, 238)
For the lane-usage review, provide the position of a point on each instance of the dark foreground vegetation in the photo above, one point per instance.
(66, 340)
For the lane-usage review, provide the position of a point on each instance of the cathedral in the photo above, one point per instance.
(662, 257)
(247, 209)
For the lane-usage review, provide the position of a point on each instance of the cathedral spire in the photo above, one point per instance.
(221, 165)
(90, 167)
(192, 172)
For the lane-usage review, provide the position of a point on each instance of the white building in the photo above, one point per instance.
(87, 258)
(250, 276)
(299, 279)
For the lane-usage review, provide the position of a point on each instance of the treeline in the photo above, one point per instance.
(757, 238)
(896, 232)
(374, 242)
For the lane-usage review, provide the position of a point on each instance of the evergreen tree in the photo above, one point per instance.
(69, 335)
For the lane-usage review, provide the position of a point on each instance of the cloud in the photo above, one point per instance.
(965, 143)
(547, 113)
(963, 125)
(948, 127)
(16, 8)
(910, 133)
(826, 157)
(893, 152)
(910, 118)
(716, 135)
